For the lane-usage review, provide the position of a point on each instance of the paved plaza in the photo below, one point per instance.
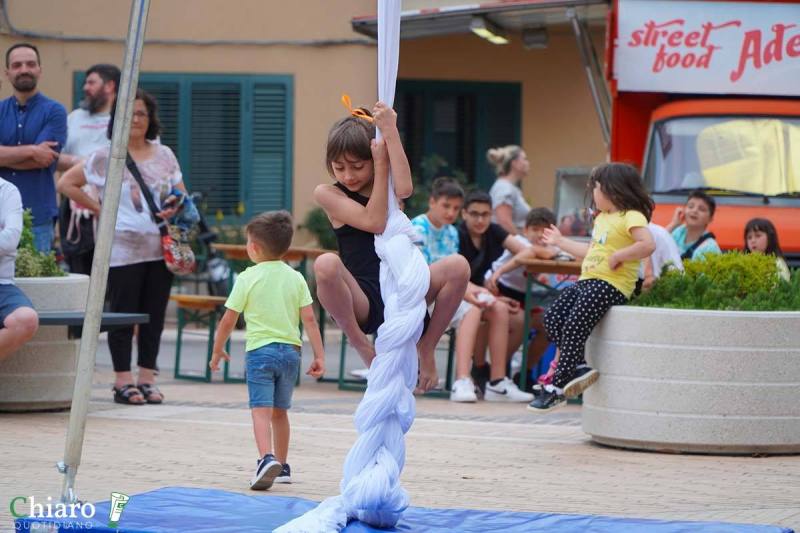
(476, 456)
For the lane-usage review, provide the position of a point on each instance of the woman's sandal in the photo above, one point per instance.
(124, 394)
(149, 390)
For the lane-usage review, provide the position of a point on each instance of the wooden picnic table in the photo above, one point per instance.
(549, 266)
(238, 252)
(532, 268)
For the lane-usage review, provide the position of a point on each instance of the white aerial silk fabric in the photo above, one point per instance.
(370, 486)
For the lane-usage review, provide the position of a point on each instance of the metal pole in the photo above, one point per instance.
(596, 68)
(587, 67)
(108, 218)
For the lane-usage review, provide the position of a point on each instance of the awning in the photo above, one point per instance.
(511, 15)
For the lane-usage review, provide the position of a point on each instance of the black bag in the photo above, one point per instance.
(77, 232)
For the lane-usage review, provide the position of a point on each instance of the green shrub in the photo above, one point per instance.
(30, 262)
(317, 224)
(732, 281)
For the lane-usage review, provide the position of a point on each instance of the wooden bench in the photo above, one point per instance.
(206, 311)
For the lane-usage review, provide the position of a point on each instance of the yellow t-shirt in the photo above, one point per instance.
(612, 232)
(270, 294)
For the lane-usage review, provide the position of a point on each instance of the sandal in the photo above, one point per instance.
(149, 390)
(125, 393)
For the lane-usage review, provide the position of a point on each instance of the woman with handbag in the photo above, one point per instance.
(139, 279)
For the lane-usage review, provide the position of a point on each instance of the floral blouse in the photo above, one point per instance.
(137, 238)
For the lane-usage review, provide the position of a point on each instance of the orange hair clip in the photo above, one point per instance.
(355, 112)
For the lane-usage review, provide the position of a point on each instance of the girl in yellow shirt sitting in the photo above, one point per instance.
(620, 239)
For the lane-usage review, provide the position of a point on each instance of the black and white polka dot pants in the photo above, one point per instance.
(570, 319)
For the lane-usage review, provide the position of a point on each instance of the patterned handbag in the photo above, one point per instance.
(178, 254)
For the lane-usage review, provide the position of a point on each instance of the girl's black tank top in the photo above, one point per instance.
(356, 246)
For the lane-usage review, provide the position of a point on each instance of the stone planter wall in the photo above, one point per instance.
(695, 381)
(41, 375)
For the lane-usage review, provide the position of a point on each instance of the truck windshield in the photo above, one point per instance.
(734, 155)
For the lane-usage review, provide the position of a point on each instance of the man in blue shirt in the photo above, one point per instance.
(33, 129)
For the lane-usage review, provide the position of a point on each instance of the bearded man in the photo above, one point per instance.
(33, 129)
(86, 133)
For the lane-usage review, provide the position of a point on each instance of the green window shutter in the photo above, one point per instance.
(167, 96)
(457, 121)
(270, 170)
(214, 139)
(78, 77)
(502, 119)
(501, 127)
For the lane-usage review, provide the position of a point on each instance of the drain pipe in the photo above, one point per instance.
(589, 59)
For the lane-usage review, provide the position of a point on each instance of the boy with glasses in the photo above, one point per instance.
(482, 242)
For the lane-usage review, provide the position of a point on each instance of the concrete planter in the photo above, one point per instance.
(41, 375)
(695, 381)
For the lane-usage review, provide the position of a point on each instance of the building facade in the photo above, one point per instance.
(248, 89)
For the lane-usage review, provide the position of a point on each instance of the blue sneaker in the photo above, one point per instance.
(547, 400)
(266, 472)
(286, 474)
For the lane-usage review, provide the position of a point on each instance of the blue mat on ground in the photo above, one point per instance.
(179, 509)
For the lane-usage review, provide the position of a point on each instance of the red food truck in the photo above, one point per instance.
(706, 94)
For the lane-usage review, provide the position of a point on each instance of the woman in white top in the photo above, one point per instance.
(138, 279)
(509, 207)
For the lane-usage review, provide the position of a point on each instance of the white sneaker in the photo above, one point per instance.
(463, 391)
(506, 391)
(360, 373)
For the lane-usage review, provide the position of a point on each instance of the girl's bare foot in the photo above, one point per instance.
(428, 376)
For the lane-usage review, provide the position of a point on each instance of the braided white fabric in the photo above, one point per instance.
(370, 486)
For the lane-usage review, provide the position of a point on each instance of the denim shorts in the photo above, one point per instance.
(271, 373)
(11, 299)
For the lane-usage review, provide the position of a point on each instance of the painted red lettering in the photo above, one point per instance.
(774, 48)
(704, 61)
(636, 38)
(651, 30)
(658, 64)
(793, 47)
(751, 50)
(708, 27)
(688, 60)
(692, 38)
(673, 60)
(674, 38)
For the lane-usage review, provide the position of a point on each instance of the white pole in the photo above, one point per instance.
(102, 252)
